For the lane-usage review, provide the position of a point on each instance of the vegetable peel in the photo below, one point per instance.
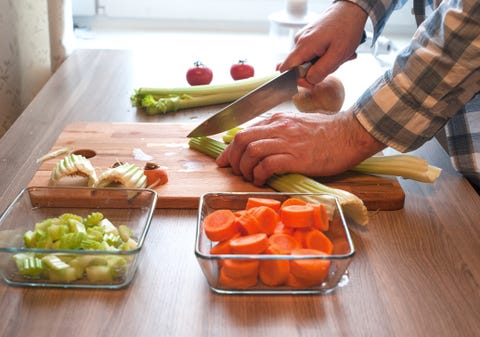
(129, 175)
(74, 165)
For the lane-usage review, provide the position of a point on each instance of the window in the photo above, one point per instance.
(247, 15)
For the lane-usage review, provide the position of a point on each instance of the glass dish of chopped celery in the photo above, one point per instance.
(74, 237)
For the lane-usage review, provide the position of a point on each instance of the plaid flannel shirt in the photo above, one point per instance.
(435, 81)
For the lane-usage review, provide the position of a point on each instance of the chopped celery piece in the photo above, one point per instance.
(53, 262)
(108, 227)
(29, 265)
(228, 136)
(76, 226)
(98, 261)
(67, 274)
(101, 274)
(90, 244)
(72, 240)
(29, 239)
(78, 266)
(19, 257)
(66, 217)
(42, 239)
(56, 231)
(111, 239)
(118, 265)
(129, 245)
(72, 232)
(125, 232)
(95, 233)
(93, 219)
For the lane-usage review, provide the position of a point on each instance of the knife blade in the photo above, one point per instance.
(253, 104)
(257, 101)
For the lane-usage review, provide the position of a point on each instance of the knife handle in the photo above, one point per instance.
(303, 68)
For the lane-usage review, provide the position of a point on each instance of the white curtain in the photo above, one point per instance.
(35, 38)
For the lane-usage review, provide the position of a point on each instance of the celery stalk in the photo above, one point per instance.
(292, 182)
(402, 165)
(163, 100)
(406, 166)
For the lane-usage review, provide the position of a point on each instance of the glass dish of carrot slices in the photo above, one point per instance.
(272, 243)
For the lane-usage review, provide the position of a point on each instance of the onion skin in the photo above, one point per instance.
(327, 96)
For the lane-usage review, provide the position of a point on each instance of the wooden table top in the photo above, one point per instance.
(416, 271)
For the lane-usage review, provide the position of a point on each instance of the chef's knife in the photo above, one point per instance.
(253, 104)
(256, 102)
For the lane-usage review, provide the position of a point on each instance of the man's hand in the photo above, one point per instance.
(334, 37)
(313, 144)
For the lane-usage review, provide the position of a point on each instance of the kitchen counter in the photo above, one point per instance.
(416, 271)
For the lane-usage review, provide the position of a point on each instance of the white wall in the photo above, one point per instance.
(251, 15)
(83, 7)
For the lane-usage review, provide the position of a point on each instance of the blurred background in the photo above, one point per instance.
(36, 36)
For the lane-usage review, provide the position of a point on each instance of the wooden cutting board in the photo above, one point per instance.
(191, 173)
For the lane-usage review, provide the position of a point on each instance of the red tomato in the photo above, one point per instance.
(241, 70)
(199, 74)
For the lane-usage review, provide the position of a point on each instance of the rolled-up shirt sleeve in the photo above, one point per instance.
(378, 11)
(431, 80)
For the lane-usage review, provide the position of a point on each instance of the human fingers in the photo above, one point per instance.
(234, 151)
(259, 150)
(333, 38)
(273, 164)
(222, 159)
(302, 82)
(307, 48)
(263, 129)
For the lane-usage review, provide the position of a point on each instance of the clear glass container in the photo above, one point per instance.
(131, 207)
(337, 232)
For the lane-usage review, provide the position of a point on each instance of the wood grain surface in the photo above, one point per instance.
(415, 273)
(191, 173)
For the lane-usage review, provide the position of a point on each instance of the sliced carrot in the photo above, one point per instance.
(297, 216)
(320, 217)
(267, 218)
(223, 247)
(247, 223)
(239, 212)
(236, 283)
(274, 272)
(283, 243)
(282, 229)
(293, 201)
(341, 246)
(315, 239)
(220, 225)
(299, 234)
(314, 270)
(240, 268)
(156, 177)
(297, 282)
(255, 202)
(249, 244)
